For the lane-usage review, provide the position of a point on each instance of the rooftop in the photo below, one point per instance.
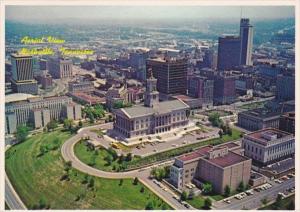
(261, 113)
(203, 151)
(266, 135)
(15, 97)
(228, 160)
(196, 154)
(162, 107)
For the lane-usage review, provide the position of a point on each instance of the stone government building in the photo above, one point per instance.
(39, 111)
(154, 117)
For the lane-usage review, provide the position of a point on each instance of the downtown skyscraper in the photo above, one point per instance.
(246, 37)
(236, 50)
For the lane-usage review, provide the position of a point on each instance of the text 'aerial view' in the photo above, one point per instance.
(149, 107)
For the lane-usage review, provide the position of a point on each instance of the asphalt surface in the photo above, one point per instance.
(254, 201)
(11, 197)
(143, 174)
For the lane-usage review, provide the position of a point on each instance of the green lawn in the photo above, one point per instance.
(37, 179)
(85, 156)
(222, 113)
(253, 105)
(197, 202)
(283, 206)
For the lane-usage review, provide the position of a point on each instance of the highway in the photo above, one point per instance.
(11, 197)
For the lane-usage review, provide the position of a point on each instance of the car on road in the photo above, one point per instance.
(284, 178)
(227, 201)
(185, 204)
(278, 181)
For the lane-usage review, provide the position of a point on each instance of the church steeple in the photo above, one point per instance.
(151, 94)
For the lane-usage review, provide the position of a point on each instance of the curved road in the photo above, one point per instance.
(67, 152)
(11, 197)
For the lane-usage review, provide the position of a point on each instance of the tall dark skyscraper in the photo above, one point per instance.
(171, 75)
(228, 52)
(22, 74)
(246, 36)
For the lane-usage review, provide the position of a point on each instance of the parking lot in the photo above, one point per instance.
(253, 199)
(158, 146)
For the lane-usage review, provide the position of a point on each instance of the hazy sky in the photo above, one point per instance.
(44, 13)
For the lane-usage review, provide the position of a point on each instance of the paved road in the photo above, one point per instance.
(254, 201)
(143, 174)
(11, 197)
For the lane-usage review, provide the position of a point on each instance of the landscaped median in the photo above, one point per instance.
(106, 160)
(43, 180)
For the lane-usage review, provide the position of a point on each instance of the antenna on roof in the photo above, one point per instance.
(241, 13)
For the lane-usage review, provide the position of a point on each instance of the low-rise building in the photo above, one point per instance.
(81, 85)
(220, 165)
(258, 119)
(269, 145)
(287, 122)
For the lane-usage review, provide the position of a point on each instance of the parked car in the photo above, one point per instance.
(249, 192)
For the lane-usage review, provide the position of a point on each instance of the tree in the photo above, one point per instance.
(68, 124)
(241, 187)
(135, 181)
(207, 188)
(291, 205)
(264, 201)
(128, 157)
(142, 190)
(52, 125)
(184, 196)
(108, 159)
(164, 207)
(121, 182)
(149, 206)
(220, 133)
(278, 202)
(207, 203)
(229, 131)
(91, 182)
(227, 191)
(192, 194)
(118, 104)
(113, 153)
(215, 120)
(121, 158)
(67, 166)
(22, 133)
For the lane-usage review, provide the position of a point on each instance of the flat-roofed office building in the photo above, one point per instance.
(171, 74)
(39, 111)
(269, 145)
(228, 52)
(60, 68)
(22, 80)
(220, 165)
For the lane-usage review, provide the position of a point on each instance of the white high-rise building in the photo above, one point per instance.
(246, 37)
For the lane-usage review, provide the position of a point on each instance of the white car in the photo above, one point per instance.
(249, 192)
(227, 201)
